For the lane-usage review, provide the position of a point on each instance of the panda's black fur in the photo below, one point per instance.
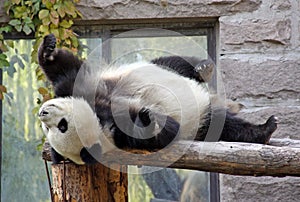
(61, 68)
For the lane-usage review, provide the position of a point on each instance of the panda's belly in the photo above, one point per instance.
(166, 92)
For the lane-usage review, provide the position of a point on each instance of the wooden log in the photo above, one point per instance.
(95, 183)
(284, 142)
(222, 157)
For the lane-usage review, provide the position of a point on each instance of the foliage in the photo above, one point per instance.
(38, 18)
(18, 60)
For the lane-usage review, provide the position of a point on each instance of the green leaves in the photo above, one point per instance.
(3, 61)
(16, 1)
(42, 17)
(66, 24)
(44, 29)
(61, 11)
(10, 43)
(43, 14)
(22, 19)
(54, 18)
(20, 12)
(15, 22)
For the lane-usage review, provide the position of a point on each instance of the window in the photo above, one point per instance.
(126, 43)
(23, 176)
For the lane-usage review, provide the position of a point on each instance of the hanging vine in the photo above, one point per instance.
(39, 18)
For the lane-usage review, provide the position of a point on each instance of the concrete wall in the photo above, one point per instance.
(258, 51)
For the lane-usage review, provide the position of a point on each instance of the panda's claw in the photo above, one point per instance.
(204, 70)
(49, 45)
(145, 116)
(50, 41)
(269, 127)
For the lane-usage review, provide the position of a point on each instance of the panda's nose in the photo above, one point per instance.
(43, 113)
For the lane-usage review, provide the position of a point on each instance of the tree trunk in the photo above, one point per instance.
(95, 183)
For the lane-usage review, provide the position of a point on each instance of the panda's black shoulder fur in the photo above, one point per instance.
(191, 67)
(61, 68)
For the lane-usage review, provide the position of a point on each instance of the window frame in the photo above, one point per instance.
(187, 27)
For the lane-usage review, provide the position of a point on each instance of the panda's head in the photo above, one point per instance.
(71, 125)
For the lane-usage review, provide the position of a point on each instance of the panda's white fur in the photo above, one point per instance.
(83, 127)
(160, 90)
(138, 85)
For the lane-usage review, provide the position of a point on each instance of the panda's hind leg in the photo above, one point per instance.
(238, 130)
(269, 127)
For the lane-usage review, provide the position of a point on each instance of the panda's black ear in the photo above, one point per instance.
(91, 155)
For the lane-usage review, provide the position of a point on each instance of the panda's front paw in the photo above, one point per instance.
(49, 45)
(56, 157)
(91, 155)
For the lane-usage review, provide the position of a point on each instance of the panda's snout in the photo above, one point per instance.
(43, 113)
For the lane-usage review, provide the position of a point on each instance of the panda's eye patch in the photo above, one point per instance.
(63, 125)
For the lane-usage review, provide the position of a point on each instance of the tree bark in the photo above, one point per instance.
(221, 157)
(95, 183)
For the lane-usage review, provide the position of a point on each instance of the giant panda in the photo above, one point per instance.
(136, 106)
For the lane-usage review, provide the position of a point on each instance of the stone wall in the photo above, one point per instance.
(259, 59)
(260, 54)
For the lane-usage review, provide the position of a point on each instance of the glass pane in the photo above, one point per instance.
(90, 45)
(23, 171)
(128, 50)
(196, 185)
